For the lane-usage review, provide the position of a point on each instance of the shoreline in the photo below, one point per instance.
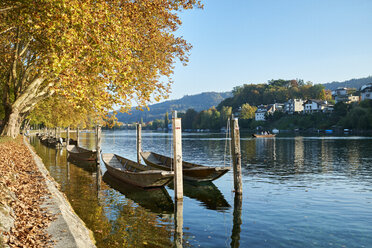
(65, 228)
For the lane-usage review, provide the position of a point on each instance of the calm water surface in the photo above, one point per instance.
(297, 192)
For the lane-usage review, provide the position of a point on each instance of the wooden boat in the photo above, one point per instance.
(51, 142)
(72, 141)
(263, 135)
(192, 172)
(134, 173)
(80, 153)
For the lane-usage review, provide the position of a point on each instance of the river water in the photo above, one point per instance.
(297, 192)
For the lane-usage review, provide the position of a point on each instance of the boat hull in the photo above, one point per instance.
(144, 179)
(80, 153)
(191, 172)
(263, 135)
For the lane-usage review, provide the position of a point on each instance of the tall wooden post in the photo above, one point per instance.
(77, 137)
(177, 160)
(55, 132)
(139, 142)
(98, 149)
(68, 136)
(236, 155)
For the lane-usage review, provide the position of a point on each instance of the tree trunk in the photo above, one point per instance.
(17, 111)
(12, 126)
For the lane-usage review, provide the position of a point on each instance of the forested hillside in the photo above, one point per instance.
(275, 91)
(352, 83)
(157, 111)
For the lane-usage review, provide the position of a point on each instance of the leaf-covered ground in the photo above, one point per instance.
(19, 175)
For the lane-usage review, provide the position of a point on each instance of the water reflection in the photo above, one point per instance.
(298, 155)
(155, 200)
(88, 166)
(303, 192)
(237, 221)
(206, 193)
(178, 222)
(115, 220)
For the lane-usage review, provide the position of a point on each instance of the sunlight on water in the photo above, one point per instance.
(297, 192)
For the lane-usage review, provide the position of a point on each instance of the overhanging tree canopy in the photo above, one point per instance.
(94, 51)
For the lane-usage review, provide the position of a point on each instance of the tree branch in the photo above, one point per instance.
(8, 8)
(25, 48)
(29, 92)
(6, 30)
(44, 93)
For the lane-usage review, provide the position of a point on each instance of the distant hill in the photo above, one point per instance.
(198, 102)
(352, 83)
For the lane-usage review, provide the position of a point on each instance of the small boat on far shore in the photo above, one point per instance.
(134, 173)
(80, 153)
(192, 172)
(263, 135)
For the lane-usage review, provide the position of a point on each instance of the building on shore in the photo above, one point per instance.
(313, 106)
(262, 110)
(293, 106)
(366, 92)
(346, 95)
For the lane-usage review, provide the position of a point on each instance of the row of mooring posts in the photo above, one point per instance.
(177, 154)
(178, 176)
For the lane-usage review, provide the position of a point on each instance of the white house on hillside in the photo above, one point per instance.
(262, 110)
(293, 106)
(342, 94)
(311, 106)
(366, 92)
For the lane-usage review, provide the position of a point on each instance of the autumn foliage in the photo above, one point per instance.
(100, 53)
(20, 175)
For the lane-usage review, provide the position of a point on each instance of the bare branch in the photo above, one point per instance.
(25, 76)
(25, 48)
(8, 8)
(6, 30)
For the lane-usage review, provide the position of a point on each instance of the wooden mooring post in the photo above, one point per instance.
(68, 136)
(77, 137)
(177, 153)
(236, 155)
(98, 158)
(139, 142)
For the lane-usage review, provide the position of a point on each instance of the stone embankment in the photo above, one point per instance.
(33, 212)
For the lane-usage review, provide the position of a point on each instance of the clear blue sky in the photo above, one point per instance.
(253, 41)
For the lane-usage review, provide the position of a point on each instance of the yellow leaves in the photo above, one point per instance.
(103, 52)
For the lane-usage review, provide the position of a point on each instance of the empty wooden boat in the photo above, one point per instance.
(50, 141)
(134, 173)
(80, 153)
(192, 172)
